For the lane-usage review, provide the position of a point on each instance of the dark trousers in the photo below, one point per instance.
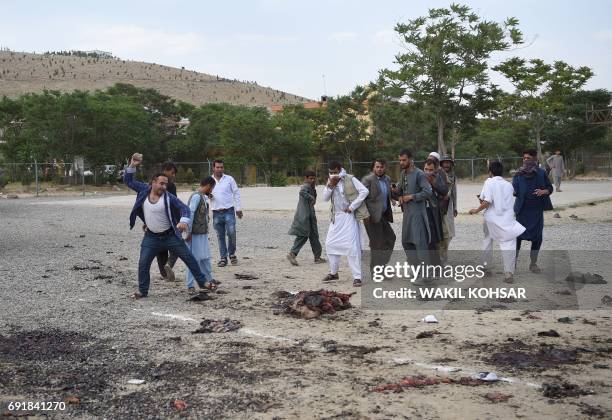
(416, 255)
(163, 258)
(152, 244)
(315, 244)
(536, 244)
(382, 240)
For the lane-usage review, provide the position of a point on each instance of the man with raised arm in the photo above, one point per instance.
(155, 207)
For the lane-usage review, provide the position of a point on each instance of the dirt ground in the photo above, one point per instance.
(69, 332)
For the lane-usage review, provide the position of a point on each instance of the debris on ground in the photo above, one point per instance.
(180, 405)
(557, 216)
(72, 400)
(427, 334)
(585, 278)
(122, 258)
(102, 277)
(486, 376)
(606, 300)
(591, 411)
(496, 397)
(563, 390)
(136, 381)
(518, 355)
(84, 267)
(600, 366)
(430, 319)
(565, 292)
(549, 333)
(245, 276)
(565, 320)
(588, 322)
(218, 326)
(310, 304)
(420, 381)
(200, 297)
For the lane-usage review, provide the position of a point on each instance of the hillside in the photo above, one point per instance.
(24, 72)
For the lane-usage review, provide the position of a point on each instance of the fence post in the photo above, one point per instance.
(472, 163)
(83, 179)
(36, 175)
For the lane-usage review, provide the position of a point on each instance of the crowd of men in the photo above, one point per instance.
(428, 201)
(427, 198)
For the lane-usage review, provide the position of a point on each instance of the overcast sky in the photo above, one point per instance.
(290, 45)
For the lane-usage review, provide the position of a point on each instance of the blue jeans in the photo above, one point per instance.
(225, 223)
(206, 269)
(151, 245)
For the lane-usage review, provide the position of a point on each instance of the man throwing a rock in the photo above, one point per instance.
(155, 207)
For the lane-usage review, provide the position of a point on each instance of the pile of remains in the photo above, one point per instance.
(312, 303)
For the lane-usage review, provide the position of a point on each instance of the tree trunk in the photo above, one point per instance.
(539, 146)
(441, 145)
(455, 139)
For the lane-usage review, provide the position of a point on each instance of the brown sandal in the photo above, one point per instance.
(137, 295)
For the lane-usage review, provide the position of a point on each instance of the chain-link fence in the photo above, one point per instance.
(33, 175)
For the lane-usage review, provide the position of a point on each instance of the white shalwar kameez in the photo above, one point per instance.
(344, 234)
(500, 224)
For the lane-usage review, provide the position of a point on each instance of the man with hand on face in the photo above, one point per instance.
(378, 202)
(346, 195)
(411, 193)
(155, 208)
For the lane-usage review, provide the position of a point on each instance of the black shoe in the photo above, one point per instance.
(331, 277)
(357, 283)
(222, 263)
(234, 259)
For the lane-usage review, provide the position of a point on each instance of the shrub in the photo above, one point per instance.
(278, 180)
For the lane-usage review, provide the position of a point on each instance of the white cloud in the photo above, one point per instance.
(343, 36)
(130, 40)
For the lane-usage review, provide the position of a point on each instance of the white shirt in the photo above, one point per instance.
(500, 214)
(225, 194)
(155, 215)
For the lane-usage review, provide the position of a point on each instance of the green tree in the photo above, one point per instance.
(569, 130)
(248, 137)
(540, 90)
(446, 57)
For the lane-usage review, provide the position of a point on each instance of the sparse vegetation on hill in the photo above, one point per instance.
(67, 71)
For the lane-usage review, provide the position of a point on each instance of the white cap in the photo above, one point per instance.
(435, 154)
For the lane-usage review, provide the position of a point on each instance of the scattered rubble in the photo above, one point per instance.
(585, 278)
(549, 333)
(563, 390)
(245, 276)
(218, 326)
(496, 397)
(420, 381)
